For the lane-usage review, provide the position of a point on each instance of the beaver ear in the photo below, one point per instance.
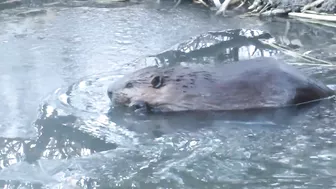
(157, 81)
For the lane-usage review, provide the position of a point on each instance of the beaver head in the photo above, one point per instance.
(147, 89)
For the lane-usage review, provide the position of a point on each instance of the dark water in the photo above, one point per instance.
(56, 132)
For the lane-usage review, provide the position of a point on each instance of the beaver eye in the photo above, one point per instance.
(157, 82)
(129, 85)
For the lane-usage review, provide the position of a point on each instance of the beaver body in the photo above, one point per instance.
(249, 84)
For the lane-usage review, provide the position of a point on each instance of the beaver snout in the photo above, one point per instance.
(110, 90)
(110, 94)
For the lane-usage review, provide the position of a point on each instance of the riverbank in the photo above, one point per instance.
(321, 10)
(316, 10)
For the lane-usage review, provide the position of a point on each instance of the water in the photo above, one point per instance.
(57, 133)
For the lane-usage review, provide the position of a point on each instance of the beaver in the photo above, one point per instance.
(247, 84)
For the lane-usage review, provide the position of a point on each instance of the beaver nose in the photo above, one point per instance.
(110, 94)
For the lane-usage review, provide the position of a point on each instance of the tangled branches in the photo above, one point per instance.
(314, 9)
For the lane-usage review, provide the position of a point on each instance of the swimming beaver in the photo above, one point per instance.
(248, 84)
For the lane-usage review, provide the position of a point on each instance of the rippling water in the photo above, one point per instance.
(54, 72)
(40, 54)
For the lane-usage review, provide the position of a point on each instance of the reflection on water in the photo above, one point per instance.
(76, 141)
(40, 54)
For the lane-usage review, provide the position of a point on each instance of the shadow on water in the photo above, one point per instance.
(219, 47)
(157, 125)
(80, 142)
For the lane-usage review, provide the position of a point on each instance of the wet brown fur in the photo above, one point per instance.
(248, 84)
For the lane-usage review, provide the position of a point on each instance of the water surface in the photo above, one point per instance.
(56, 131)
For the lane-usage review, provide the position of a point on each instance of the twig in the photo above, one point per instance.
(319, 13)
(295, 54)
(310, 5)
(288, 26)
(223, 7)
(330, 29)
(275, 12)
(254, 5)
(264, 8)
(311, 64)
(201, 2)
(258, 9)
(241, 4)
(323, 23)
(217, 3)
(177, 4)
(331, 18)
